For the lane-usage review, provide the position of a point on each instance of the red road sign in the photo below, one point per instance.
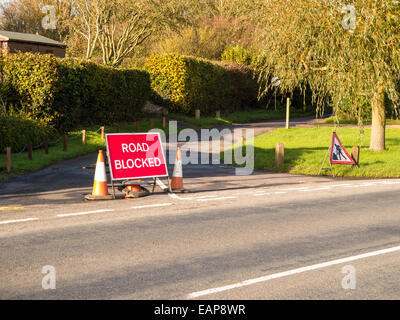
(135, 155)
(339, 155)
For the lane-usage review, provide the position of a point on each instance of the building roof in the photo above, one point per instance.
(28, 37)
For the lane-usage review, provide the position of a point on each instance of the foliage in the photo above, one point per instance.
(204, 42)
(310, 43)
(17, 131)
(26, 16)
(238, 54)
(66, 92)
(191, 83)
(116, 28)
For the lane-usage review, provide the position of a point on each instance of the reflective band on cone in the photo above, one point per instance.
(177, 176)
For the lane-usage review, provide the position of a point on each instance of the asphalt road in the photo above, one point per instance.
(263, 236)
(168, 247)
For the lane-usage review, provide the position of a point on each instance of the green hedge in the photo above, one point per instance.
(190, 83)
(68, 92)
(17, 131)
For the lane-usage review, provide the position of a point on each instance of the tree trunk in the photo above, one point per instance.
(378, 121)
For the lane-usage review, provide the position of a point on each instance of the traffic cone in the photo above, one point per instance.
(177, 176)
(100, 189)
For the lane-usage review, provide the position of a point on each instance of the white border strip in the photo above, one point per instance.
(153, 205)
(84, 213)
(213, 199)
(291, 272)
(20, 220)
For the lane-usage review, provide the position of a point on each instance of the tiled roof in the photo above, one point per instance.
(27, 37)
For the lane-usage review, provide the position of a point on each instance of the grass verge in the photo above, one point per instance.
(331, 120)
(240, 117)
(305, 149)
(21, 163)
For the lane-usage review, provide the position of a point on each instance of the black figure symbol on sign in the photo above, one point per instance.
(338, 153)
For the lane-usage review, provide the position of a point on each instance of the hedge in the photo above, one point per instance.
(17, 131)
(190, 83)
(68, 92)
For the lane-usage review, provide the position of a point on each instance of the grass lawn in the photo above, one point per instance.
(240, 117)
(331, 120)
(305, 149)
(21, 163)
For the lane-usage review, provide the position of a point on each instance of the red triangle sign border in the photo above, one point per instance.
(350, 161)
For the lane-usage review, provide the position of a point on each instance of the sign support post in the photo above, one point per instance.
(330, 164)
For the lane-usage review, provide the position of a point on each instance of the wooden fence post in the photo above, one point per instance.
(164, 120)
(288, 113)
(218, 114)
(30, 150)
(117, 128)
(137, 125)
(65, 142)
(279, 154)
(355, 154)
(46, 146)
(84, 137)
(102, 133)
(8, 150)
(151, 124)
(197, 114)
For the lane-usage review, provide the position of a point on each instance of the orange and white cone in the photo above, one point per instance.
(100, 188)
(177, 176)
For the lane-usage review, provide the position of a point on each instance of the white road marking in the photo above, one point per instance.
(20, 220)
(161, 184)
(84, 213)
(222, 198)
(322, 188)
(368, 185)
(291, 272)
(153, 205)
(296, 189)
(175, 196)
(280, 192)
(205, 197)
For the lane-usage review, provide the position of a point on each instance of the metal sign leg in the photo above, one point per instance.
(113, 189)
(169, 185)
(323, 163)
(154, 185)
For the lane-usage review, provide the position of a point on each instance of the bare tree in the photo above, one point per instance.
(87, 22)
(123, 29)
(27, 15)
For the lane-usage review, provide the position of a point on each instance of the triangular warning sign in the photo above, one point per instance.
(339, 154)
